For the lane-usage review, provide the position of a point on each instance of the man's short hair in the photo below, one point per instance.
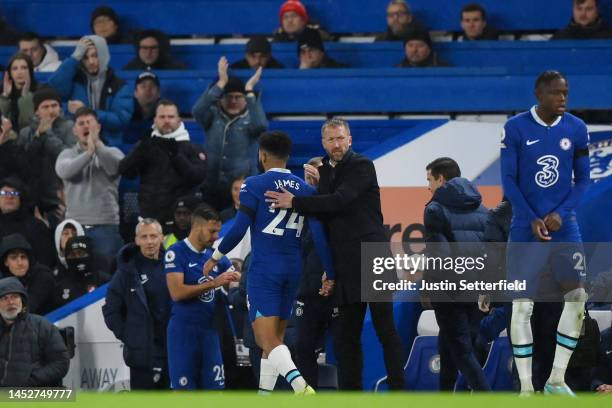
(335, 123)
(402, 3)
(204, 212)
(579, 2)
(277, 143)
(444, 166)
(473, 7)
(166, 102)
(85, 111)
(30, 36)
(148, 221)
(547, 77)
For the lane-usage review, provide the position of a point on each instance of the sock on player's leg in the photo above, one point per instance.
(522, 341)
(568, 332)
(280, 357)
(267, 376)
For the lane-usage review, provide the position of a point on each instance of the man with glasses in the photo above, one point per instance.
(400, 22)
(232, 116)
(153, 52)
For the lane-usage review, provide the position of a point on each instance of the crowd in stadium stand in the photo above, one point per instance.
(62, 159)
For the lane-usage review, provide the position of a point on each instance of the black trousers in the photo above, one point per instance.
(313, 317)
(148, 379)
(347, 344)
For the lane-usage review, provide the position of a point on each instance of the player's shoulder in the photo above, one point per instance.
(252, 183)
(573, 121)
(518, 120)
(301, 186)
(174, 252)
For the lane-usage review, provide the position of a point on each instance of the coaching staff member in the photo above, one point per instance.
(348, 201)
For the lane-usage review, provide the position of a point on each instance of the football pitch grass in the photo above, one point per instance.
(321, 400)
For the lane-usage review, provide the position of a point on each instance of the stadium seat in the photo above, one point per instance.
(427, 326)
(497, 368)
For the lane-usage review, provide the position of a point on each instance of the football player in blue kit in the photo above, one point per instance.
(194, 352)
(276, 258)
(545, 173)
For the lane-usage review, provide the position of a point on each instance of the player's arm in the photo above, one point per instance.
(322, 247)
(180, 291)
(509, 172)
(582, 174)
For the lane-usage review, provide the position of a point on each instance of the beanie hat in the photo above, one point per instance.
(104, 11)
(418, 35)
(310, 38)
(45, 93)
(234, 84)
(259, 43)
(296, 6)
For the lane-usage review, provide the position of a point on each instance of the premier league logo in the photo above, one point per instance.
(209, 295)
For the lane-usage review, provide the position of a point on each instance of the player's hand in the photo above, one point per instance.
(311, 174)
(604, 389)
(553, 221)
(327, 288)
(209, 266)
(279, 200)
(222, 67)
(226, 277)
(484, 303)
(538, 227)
(250, 85)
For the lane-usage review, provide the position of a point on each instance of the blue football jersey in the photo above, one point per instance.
(183, 257)
(275, 233)
(538, 163)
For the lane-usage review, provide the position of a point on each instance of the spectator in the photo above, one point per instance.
(16, 217)
(602, 374)
(258, 54)
(419, 53)
(179, 229)
(294, 19)
(168, 163)
(44, 57)
(63, 232)
(455, 214)
(84, 272)
(230, 211)
(400, 22)
(17, 261)
(33, 351)
(12, 156)
(474, 24)
(90, 174)
(43, 140)
(17, 87)
(85, 79)
(140, 319)
(146, 97)
(153, 52)
(311, 51)
(105, 23)
(586, 23)
(232, 116)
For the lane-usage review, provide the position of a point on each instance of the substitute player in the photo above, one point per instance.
(276, 264)
(194, 353)
(540, 151)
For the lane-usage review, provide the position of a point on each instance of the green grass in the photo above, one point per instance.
(322, 400)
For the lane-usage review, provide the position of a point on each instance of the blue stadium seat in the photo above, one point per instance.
(498, 367)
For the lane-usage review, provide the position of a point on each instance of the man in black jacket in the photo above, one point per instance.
(168, 163)
(32, 351)
(137, 307)
(348, 201)
(153, 52)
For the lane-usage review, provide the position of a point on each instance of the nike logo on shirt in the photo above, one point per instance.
(530, 142)
(191, 265)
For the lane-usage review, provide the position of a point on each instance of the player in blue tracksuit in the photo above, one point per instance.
(276, 258)
(194, 353)
(545, 172)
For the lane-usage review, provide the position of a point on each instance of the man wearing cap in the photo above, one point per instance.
(232, 116)
(179, 229)
(311, 51)
(293, 20)
(258, 54)
(417, 48)
(153, 52)
(137, 307)
(146, 96)
(43, 140)
(32, 350)
(17, 261)
(400, 22)
(168, 163)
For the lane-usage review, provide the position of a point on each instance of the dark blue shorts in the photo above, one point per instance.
(194, 357)
(271, 294)
(529, 259)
